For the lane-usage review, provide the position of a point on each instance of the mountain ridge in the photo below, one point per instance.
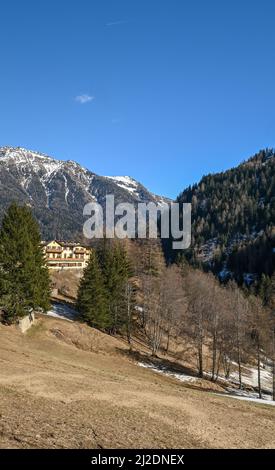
(57, 190)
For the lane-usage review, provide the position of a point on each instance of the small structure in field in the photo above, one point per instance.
(26, 322)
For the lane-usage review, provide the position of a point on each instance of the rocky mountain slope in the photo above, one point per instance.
(57, 190)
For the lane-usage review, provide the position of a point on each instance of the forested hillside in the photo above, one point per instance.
(233, 216)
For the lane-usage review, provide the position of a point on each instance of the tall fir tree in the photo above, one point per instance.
(92, 296)
(24, 282)
(107, 292)
(123, 289)
(116, 271)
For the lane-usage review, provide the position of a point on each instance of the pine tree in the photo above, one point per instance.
(41, 291)
(116, 276)
(265, 289)
(24, 282)
(117, 271)
(126, 289)
(106, 296)
(92, 297)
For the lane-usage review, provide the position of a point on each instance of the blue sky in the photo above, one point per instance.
(162, 90)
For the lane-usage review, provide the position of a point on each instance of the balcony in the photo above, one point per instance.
(79, 251)
(66, 260)
(54, 250)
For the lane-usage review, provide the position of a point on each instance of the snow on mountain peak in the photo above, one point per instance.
(125, 182)
(21, 152)
(28, 165)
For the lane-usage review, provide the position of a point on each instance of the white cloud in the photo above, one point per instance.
(115, 23)
(82, 99)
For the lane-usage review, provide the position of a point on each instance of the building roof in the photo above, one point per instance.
(64, 243)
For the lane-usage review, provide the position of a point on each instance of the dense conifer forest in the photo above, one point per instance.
(233, 216)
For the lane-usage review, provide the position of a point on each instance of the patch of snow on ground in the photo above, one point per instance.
(163, 370)
(63, 311)
(231, 392)
(250, 377)
(266, 378)
(248, 396)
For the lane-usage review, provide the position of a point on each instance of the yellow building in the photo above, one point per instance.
(66, 255)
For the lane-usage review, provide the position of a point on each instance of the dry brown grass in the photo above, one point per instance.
(66, 281)
(66, 385)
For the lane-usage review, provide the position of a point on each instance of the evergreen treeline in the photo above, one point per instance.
(235, 210)
(24, 277)
(107, 289)
(253, 256)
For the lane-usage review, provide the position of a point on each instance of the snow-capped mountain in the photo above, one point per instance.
(57, 190)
